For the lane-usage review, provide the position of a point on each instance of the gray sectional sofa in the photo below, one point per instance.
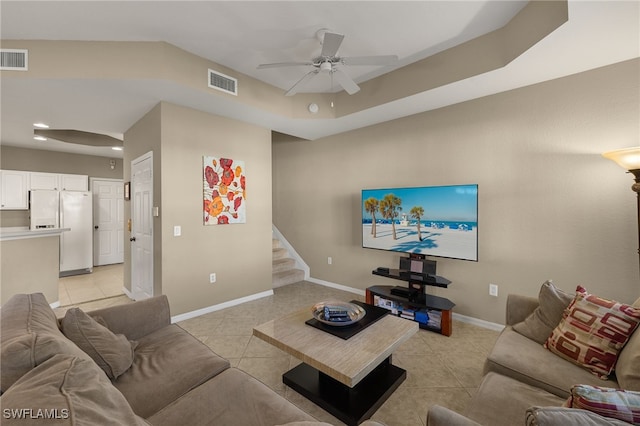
(121, 365)
(526, 384)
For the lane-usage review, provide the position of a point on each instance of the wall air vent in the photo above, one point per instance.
(14, 59)
(223, 82)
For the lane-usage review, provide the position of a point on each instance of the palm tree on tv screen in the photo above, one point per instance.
(390, 206)
(417, 212)
(371, 206)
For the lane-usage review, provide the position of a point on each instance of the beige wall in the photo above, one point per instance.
(239, 254)
(550, 206)
(35, 160)
(143, 137)
(17, 273)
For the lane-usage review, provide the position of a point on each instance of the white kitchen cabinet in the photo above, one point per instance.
(74, 182)
(40, 180)
(59, 181)
(14, 189)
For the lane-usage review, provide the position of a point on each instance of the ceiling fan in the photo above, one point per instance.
(327, 63)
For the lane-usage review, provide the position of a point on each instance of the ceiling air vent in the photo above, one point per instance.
(223, 82)
(14, 59)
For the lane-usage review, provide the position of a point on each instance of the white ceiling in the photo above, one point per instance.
(241, 35)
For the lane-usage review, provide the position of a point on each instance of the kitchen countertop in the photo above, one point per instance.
(22, 232)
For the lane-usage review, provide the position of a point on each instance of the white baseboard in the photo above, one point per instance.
(127, 293)
(55, 304)
(337, 286)
(480, 323)
(188, 315)
(213, 308)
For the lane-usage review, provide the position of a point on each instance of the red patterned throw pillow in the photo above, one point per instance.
(592, 332)
(608, 402)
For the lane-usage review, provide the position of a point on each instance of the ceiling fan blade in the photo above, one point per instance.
(346, 82)
(283, 64)
(330, 44)
(308, 76)
(370, 60)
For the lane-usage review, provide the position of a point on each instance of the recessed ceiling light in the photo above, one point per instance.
(40, 125)
(116, 148)
(40, 138)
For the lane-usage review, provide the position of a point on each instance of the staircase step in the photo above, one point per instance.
(289, 276)
(279, 253)
(283, 264)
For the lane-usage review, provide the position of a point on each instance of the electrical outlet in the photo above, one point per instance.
(493, 290)
(329, 260)
(212, 277)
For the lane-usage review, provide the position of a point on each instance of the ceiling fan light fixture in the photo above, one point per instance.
(326, 66)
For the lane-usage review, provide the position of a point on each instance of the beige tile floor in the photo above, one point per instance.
(440, 370)
(105, 281)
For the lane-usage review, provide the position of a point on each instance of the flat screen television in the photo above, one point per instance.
(437, 221)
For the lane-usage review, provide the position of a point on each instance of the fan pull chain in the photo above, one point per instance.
(333, 95)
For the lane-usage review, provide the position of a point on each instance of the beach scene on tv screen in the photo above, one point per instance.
(436, 220)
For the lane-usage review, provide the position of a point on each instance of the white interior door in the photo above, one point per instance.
(142, 227)
(108, 221)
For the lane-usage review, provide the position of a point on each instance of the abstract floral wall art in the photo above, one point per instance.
(224, 193)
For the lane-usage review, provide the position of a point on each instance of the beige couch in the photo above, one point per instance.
(142, 370)
(525, 383)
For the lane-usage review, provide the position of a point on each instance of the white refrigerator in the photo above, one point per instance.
(67, 209)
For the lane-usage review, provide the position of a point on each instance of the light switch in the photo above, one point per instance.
(177, 231)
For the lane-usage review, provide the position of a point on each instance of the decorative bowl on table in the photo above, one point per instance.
(337, 313)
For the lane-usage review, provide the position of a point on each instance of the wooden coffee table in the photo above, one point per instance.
(351, 378)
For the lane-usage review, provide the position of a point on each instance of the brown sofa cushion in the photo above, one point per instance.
(614, 403)
(168, 363)
(66, 390)
(552, 303)
(231, 398)
(501, 400)
(592, 332)
(113, 353)
(29, 336)
(527, 361)
(628, 365)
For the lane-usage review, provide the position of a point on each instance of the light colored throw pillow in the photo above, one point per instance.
(592, 332)
(552, 303)
(608, 402)
(112, 352)
(66, 390)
